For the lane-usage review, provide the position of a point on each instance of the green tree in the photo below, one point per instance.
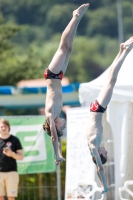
(15, 67)
(127, 19)
(103, 21)
(7, 56)
(26, 55)
(90, 57)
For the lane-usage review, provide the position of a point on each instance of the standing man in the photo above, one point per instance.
(10, 151)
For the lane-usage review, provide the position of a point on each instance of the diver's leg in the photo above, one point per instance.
(61, 57)
(107, 90)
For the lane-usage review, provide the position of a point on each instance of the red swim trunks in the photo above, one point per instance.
(50, 75)
(96, 107)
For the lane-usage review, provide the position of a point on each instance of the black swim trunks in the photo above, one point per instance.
(50, 75)
(96, 107)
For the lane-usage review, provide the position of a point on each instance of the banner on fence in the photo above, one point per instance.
(80, 170)
(37, 147)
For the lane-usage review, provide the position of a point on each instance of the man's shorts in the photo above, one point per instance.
(9, 184)
(50, 75)
(96, 107)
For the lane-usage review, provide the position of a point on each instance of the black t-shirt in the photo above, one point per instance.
(8, 164)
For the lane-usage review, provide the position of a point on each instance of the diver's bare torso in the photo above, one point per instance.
(53, 98)
(95, 129)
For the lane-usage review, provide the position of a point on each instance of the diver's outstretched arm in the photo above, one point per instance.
(100, 170)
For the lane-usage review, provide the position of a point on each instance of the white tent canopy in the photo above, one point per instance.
(119, 117)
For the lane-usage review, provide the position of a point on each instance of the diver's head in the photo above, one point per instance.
(103, 155)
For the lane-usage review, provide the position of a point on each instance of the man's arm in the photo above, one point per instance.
(55, 141)
(54, 136)
(59, 146)
(17, 156)
(100, 169)
(99, 177)
(60, 149)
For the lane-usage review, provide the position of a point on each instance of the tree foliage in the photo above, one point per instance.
(31, 31)
(7, 56)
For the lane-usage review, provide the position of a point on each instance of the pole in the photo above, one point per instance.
(120, 21)
(1, 111)
(58, 182)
